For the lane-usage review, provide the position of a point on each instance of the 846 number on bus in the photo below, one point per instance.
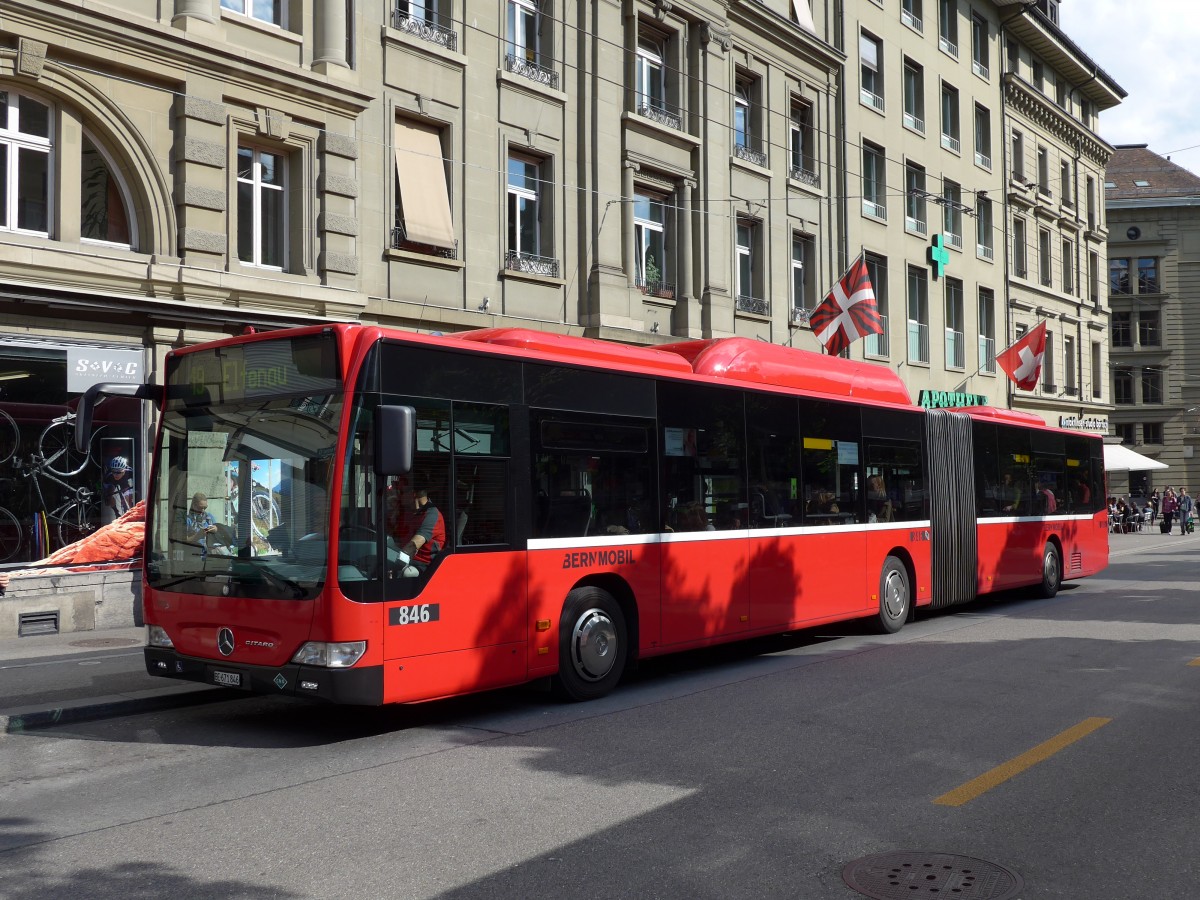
(414, 615)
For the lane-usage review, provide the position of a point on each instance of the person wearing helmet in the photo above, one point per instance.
(118, 489)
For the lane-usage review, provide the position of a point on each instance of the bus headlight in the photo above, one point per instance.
(156, 636)
(330, 656)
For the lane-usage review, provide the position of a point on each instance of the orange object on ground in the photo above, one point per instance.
(118, 540)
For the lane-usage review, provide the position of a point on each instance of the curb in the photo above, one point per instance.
(28, 718)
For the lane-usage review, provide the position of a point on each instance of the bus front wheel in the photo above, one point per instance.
(895, 597)
(592, 644)
(1051, 572)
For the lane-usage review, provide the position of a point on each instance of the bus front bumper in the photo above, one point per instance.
(361, 686)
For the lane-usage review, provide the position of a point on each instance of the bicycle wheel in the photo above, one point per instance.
(11, 535)
(76, 520)
(10, 436)
(57, 447)
(264, 514)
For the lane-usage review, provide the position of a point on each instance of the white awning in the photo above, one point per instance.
(1121, 459)
(423, 194)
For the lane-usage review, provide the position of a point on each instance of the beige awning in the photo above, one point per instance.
(804, 15)
(424, 198)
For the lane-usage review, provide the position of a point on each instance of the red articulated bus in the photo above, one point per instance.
(436, 515)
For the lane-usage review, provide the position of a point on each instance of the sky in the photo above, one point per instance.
(1151, 49)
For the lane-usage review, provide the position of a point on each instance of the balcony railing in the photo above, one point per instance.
(983, 251)
(912, 21)
(660, 112)
(983, 160)
(749, 154)
(918, 342)
(915, 225)
(952, 239)
(519, 65)
(426, 31)
(955, 351)
(400, 241)
(756, 305)
(533, 265)
(987, 355)
(979, 68)
(797, 173)
(877, 344)
(948, 45)
(871, 208)
(663, 289)
(951, 143)
(871, 99)
(915, 123)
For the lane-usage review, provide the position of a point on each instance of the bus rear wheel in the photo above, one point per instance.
(1051, 573)
(592, 645)
(895, 597)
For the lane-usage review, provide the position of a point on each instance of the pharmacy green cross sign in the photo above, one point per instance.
(939, 256)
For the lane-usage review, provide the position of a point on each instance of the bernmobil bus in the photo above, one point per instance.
(369, 516)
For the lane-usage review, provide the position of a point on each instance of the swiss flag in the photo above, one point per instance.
(1023, 360)
(848, 312)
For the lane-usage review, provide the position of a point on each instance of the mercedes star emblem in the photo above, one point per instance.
(225, 641)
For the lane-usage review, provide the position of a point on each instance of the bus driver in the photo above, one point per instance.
(428, 530)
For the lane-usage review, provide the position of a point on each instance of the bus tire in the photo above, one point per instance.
(1051, 572)
(895, 597)
(592, 645)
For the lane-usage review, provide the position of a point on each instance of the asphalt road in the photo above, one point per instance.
(1056, 739)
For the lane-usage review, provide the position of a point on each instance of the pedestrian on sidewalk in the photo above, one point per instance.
(1154, 501)
(1185, 510)
(1169, 505)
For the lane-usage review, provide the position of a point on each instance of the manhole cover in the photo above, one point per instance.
(105, 642)
(915, 873)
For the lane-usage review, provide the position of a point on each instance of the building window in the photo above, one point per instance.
(955, 338)
(1152, 433)
(651, 73)
(1123, 386)
(1152, 386)
(914, 96)
(1149, 328)
(1045, 268)
(1039, 76)
(1094, 277)
(1127, 431)
(263, 10)
(26, 144)
(1097, 381)
(950, 132)
(1148, 276)
(915, 199)
(1018, 156)
(952, 210)
(424, 222)
(262, 208)
(527, 247)
(1065, 194)
(877, 344)
(984, 246)
(874, 182)
(524, 53)
(803, 272)
(911, 14)
(987, 331)
(1069, 381)
(104, 207)
(983, 137)
(1020, 263)
(650, 246)
(918, 315)
(428, 20)
(980, 39)
(1118, 276)
(1122, 329)
(948, 26)
(1012, 49)
(1043, 164)
(803, 162)
(1068, 267)
(1049, 385)
(745, 121)
(750, 297)
(870, 51)
(1091, 203)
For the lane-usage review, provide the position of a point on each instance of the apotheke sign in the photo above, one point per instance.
(1084, 423)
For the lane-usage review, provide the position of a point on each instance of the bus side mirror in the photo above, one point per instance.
(395, 438)
(94, 396)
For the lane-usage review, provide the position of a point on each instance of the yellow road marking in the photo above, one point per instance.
(1194, 662)
(1019, 764)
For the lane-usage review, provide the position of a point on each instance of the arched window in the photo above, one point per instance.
(26, 145)
(104, 209)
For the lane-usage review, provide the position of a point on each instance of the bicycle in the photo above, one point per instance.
(55, 445)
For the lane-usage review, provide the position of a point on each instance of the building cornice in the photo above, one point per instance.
(1021, 97)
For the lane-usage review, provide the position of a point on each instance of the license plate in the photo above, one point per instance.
(229, 679)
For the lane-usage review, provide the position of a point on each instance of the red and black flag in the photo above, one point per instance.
(848, 312)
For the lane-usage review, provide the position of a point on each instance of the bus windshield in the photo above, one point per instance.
(239, 507)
